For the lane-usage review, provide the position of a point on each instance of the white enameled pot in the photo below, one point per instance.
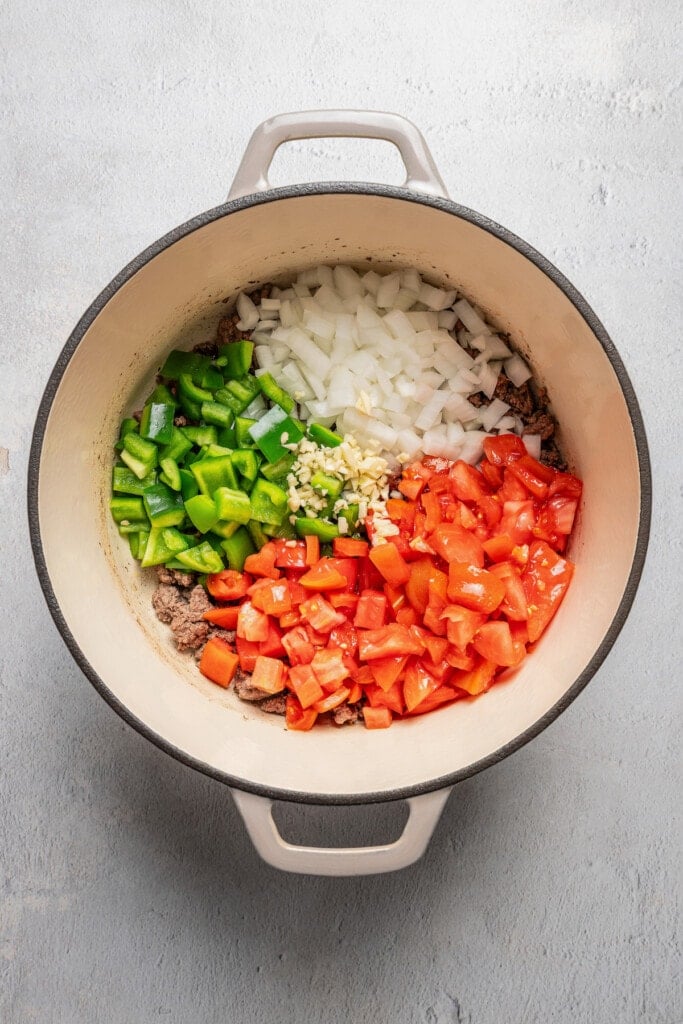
(173, 295)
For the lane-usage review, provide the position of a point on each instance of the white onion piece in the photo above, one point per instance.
(517, 370)
(532, 443)
(491, 414)
(470, 318)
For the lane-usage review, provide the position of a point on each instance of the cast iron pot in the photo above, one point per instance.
(172, 295)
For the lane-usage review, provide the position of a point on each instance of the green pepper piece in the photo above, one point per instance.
(212, 473)
(162, 545)
(243, 438)
(171, 474)
(162, 395)
(202, 512)
(139, 455)
(268, 502)
(220, 415)
(237, 356)
(188, 484)
(350, 514)
(272, 430)
(225, 529)
(330, 485)
(156, 422)
(256, 533)
(238, 394)
(237, 548)
(192, 391)
(320, 528)
(272, 390)
(178, 446)
(200, 435)
(201, 558)
(128, 426)
(178, 362)
(226, 437)
(128, 527)
(323, 436)
(124, 481)
(211, 379)
(246, 462)
(285, 530)
(279, 470)
(233, 505)
(134, 543)
(163, 506)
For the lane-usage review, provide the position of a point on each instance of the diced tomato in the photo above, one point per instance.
(533, 474)
(476, 680)
(298, 647)
(344, 600)
(272, 646)
(228, 585)
(503, 449)
(386, 671)
(371, 611)
(262, 563)
(332, 700)
(417, 684)
(317, 611)
(296, 718)
(391, 698)
(317, 639)
(565, 484)
(218, 662)
(519, 633)
(355, 692)
(289, 619)
(498, 548)
(456, 544)
(462, 624)
(324, 575)
(251, 623)
(296, 591)
(345, 637)
(458, 659)
(556, 516)
(432, 616)
(248, 652)
(401, 512)
(273, 597)
(518, 520)
(390, 564)
(349, 547)
(514, 604)
(432, 508)
(329, 668)
(393, 640)
(493, 641)
(545, 581)
(377, 718)
(493, 474)
(269, 674)
(512, 489)
(492, 509)
(468, 483)
(312, 550)
(396, 598)
(348, 567)
(442, 695)
(424, 580)
(368, 576)
(407, 616)
(291, 554)
(411, 488)
(302, 680)
(437, 646)
(474, 588)
(226, 618)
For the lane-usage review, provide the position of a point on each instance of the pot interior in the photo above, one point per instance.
(176, 298)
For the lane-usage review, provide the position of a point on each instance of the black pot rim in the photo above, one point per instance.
(303, 191)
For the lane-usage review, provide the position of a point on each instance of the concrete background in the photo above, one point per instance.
(130, 892)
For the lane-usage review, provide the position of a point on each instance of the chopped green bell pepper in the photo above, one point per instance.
(320, 528)
(156, 422)
(178, 446)
(238, 394)
(225, 529)
(272, 390)
(257, 535)
(139, 455)
(233, 505)
(200, 435)
(226, 437)
(243, 438)
(273, 431)
(212, 473)
(330, 485)
(126, 509)
(171, 474)
(210, 378)
(285, 530)
(279, 470)
(124, 481)
(178, 362)
(202, 512)
(163, 506)
(162, 545)
(246, 462)
(323, 436)
(128, 426)
(237, 548)
(188, 484)
(220, 415)
(162, 395)
(201, 558)
(350, 514)
(268, 502)
(237, 356)
(134, 526)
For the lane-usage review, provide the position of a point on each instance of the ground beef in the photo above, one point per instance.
(520, 400)
(180, 421)
(181, 579)
(478, 399)
(207, 348)
(228, 330)
(540, 423)
(244, 689)
(183, 614)
(551, 456)
(346, 714)
(274, 705)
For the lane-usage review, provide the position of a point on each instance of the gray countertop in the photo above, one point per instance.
(130, 891)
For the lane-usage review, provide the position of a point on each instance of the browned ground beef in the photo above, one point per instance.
(346, 714)
(182, 609)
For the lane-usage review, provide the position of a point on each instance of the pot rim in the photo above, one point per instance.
(303, 191)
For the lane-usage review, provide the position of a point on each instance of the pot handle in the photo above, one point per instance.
(424, 812)
(421, 172)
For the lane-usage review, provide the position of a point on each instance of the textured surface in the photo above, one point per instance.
(129, 891)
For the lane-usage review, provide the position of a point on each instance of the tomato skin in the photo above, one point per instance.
(474, 588)
(545, 581)
(228, 585)
(503, 449)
